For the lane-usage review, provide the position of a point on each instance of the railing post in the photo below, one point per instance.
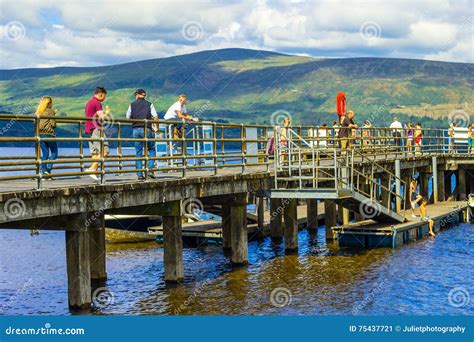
(398, 198)
(214, 146)
(38, 161)
(81, 145)
(119, 146)
(183, 149)
(102, 156)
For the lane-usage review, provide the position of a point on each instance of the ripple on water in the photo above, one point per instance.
(322, 279)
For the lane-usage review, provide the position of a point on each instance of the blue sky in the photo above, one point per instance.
(86, 33)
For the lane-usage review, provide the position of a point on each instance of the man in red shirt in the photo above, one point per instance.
(93, 127)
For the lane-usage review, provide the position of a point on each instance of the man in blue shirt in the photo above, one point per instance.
(142, 110)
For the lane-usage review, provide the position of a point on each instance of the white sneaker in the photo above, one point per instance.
(94, 177)
(413, 215)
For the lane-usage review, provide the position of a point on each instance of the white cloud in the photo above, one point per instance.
(108, 32)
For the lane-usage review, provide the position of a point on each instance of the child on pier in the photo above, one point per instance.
(424, 215)
(415, 197)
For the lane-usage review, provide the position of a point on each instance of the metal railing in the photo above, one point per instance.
(204, 146)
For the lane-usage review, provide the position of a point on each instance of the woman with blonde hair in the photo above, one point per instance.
(49, 149)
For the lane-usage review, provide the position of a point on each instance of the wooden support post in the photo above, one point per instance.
(441, 174)
(398, 186)
(407, 192)
(345, 216)
(329, 217)
(97, 250)
(424, 185)
(78, 262)
(238, 216)
(448, 190)
(260, 216)
(340, 214)
(461, 181)
(385, 181)
(434, 170)
(291, 224)
(226, 230)
(173, 243)
(312, 213)
(276, 214)
(470, 174)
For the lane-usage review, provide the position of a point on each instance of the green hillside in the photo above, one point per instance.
(240, 85)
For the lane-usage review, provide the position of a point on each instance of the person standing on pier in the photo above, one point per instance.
(417, 134)
(345, 132)
(409, 130)
(396, 127)
(452, 126)
(424, 215)
(93, 127)
(178, 112)
(49, 149)
(142, 110)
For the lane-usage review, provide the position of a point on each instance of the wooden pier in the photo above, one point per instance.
(324, 178)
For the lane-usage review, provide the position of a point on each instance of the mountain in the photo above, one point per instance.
(240, 85)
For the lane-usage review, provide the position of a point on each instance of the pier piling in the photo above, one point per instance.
(291, 225)
(239, 239)
(312, 213)
(173, 243)
(78, 262)
(226, 230)
(97, 248)
(276, 214)
(329, 218)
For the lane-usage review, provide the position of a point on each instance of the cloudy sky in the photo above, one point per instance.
(46, 33)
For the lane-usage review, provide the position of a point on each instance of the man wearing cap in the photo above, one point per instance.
(142, 110)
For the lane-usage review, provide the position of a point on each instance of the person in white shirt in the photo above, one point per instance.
(178, 112)
(397, 128)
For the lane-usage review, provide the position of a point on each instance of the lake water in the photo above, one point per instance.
(431, 276)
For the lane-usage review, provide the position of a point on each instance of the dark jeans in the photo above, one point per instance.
(46, 148)
(398, 138)
(139, 146)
